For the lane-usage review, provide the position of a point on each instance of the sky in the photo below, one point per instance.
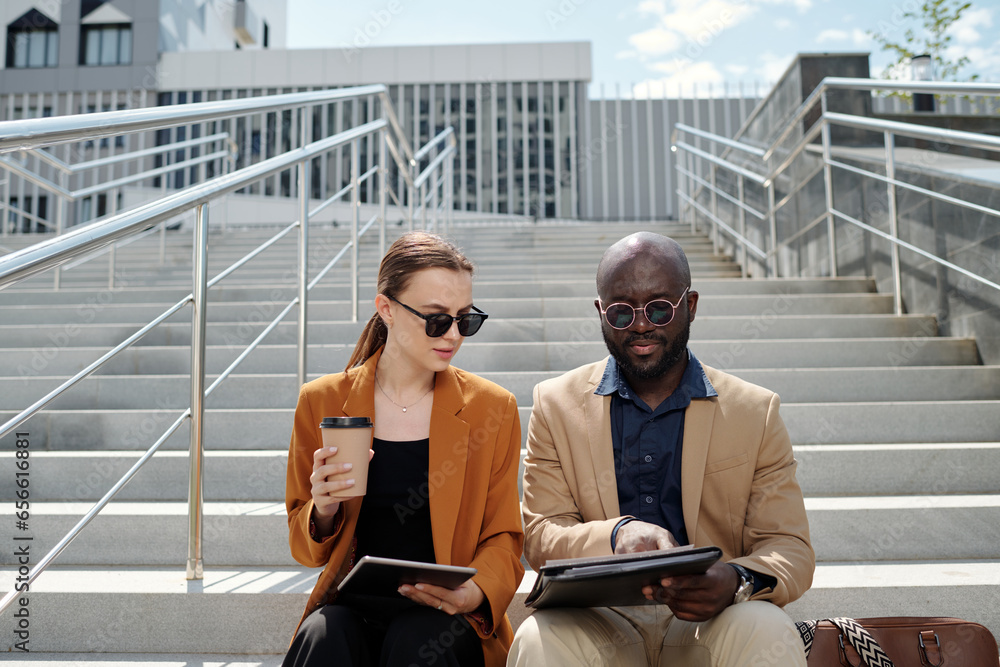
(649, 44)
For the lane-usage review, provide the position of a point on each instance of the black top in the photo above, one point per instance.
(395, 519)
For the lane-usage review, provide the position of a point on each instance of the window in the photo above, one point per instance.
(33, 41)
(106, 44)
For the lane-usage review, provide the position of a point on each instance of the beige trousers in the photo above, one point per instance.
(751, 634)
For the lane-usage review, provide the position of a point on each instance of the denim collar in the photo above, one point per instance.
(694, 383)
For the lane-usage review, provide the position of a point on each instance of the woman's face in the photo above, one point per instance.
(434, 290)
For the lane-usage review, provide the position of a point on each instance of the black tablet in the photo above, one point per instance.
(373, 575)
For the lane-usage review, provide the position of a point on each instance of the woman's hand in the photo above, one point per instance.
(466, 598)
(325, 505)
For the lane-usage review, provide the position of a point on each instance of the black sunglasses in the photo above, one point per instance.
(437, 324)
(659, 312)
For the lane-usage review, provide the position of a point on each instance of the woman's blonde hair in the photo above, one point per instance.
(410, 253)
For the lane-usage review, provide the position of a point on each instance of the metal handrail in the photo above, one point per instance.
(890, 129)
(76, 242)
(78, 167)
(79, 242)
(38, 132)
(845, 83)
(731, 143)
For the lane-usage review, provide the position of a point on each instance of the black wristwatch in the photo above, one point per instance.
(745, 589)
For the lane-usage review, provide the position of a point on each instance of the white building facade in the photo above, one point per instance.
(530, 139)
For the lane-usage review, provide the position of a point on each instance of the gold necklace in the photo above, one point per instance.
(404, 407)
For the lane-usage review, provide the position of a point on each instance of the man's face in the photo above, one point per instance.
(643, 350)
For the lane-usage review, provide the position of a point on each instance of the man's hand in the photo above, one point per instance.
(697, 597)
(637, 536)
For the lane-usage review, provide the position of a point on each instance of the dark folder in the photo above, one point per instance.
(612, 581)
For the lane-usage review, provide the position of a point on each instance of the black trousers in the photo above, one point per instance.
(367, 635)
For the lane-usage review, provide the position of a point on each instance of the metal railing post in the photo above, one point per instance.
(423, 205)
(60, 224)
(196, 454)
(411, 191)
(302, 339)
(113, 195)
(831, 230)
(163, 225)
(355, 215)
(715, 212)
(690, 193)
(772, 224)
(450, 195)
(383, 190)
(890, 174)
(742, 225)
(434, 204)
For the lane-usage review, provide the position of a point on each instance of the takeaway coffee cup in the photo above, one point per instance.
(352, 436)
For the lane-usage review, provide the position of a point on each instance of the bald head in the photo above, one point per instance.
(654, 252)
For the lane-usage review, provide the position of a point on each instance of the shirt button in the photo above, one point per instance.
(649, 500)
(648, 458)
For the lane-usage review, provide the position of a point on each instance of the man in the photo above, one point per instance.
(649, 449)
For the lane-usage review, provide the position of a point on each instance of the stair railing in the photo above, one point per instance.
(81, 241)
(754, 168)
(65, 196)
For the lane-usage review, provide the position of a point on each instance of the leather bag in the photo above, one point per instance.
(898, 641)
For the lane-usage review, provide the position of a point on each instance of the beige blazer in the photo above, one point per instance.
(475, 440)
(738, 486)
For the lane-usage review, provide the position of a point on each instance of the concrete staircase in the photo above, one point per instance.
(896, 430)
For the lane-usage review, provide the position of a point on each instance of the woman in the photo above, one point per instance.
(442, 481)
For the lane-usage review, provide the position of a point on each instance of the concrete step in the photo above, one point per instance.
(799, 385)
(483, 288)
(232, 475)
(898, 469)
(150, 659)
(269, 428)
(480, 357)
(865, 528)
(235, 534)
(764, 307)
(497, 330)
(152, 610)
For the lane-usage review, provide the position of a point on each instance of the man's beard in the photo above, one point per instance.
(652, 369)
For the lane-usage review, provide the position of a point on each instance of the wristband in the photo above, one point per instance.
(614, 531)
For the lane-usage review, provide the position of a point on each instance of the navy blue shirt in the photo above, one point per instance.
(647, 445)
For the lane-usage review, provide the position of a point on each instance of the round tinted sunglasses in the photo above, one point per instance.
(659, 312)
(437, 324)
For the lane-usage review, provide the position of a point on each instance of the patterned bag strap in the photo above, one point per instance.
(871, 653)
(862, 641)
(807, 630)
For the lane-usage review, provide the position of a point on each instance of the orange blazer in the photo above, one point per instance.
(475, 445)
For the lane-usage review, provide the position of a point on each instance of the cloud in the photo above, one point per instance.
(831, 35)
(801, 5)
(965, 30)
(783, 24)
(772, 67)
(691, 23)
(681, 79)
(655, 42)
(860, 37)
(737, 70)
